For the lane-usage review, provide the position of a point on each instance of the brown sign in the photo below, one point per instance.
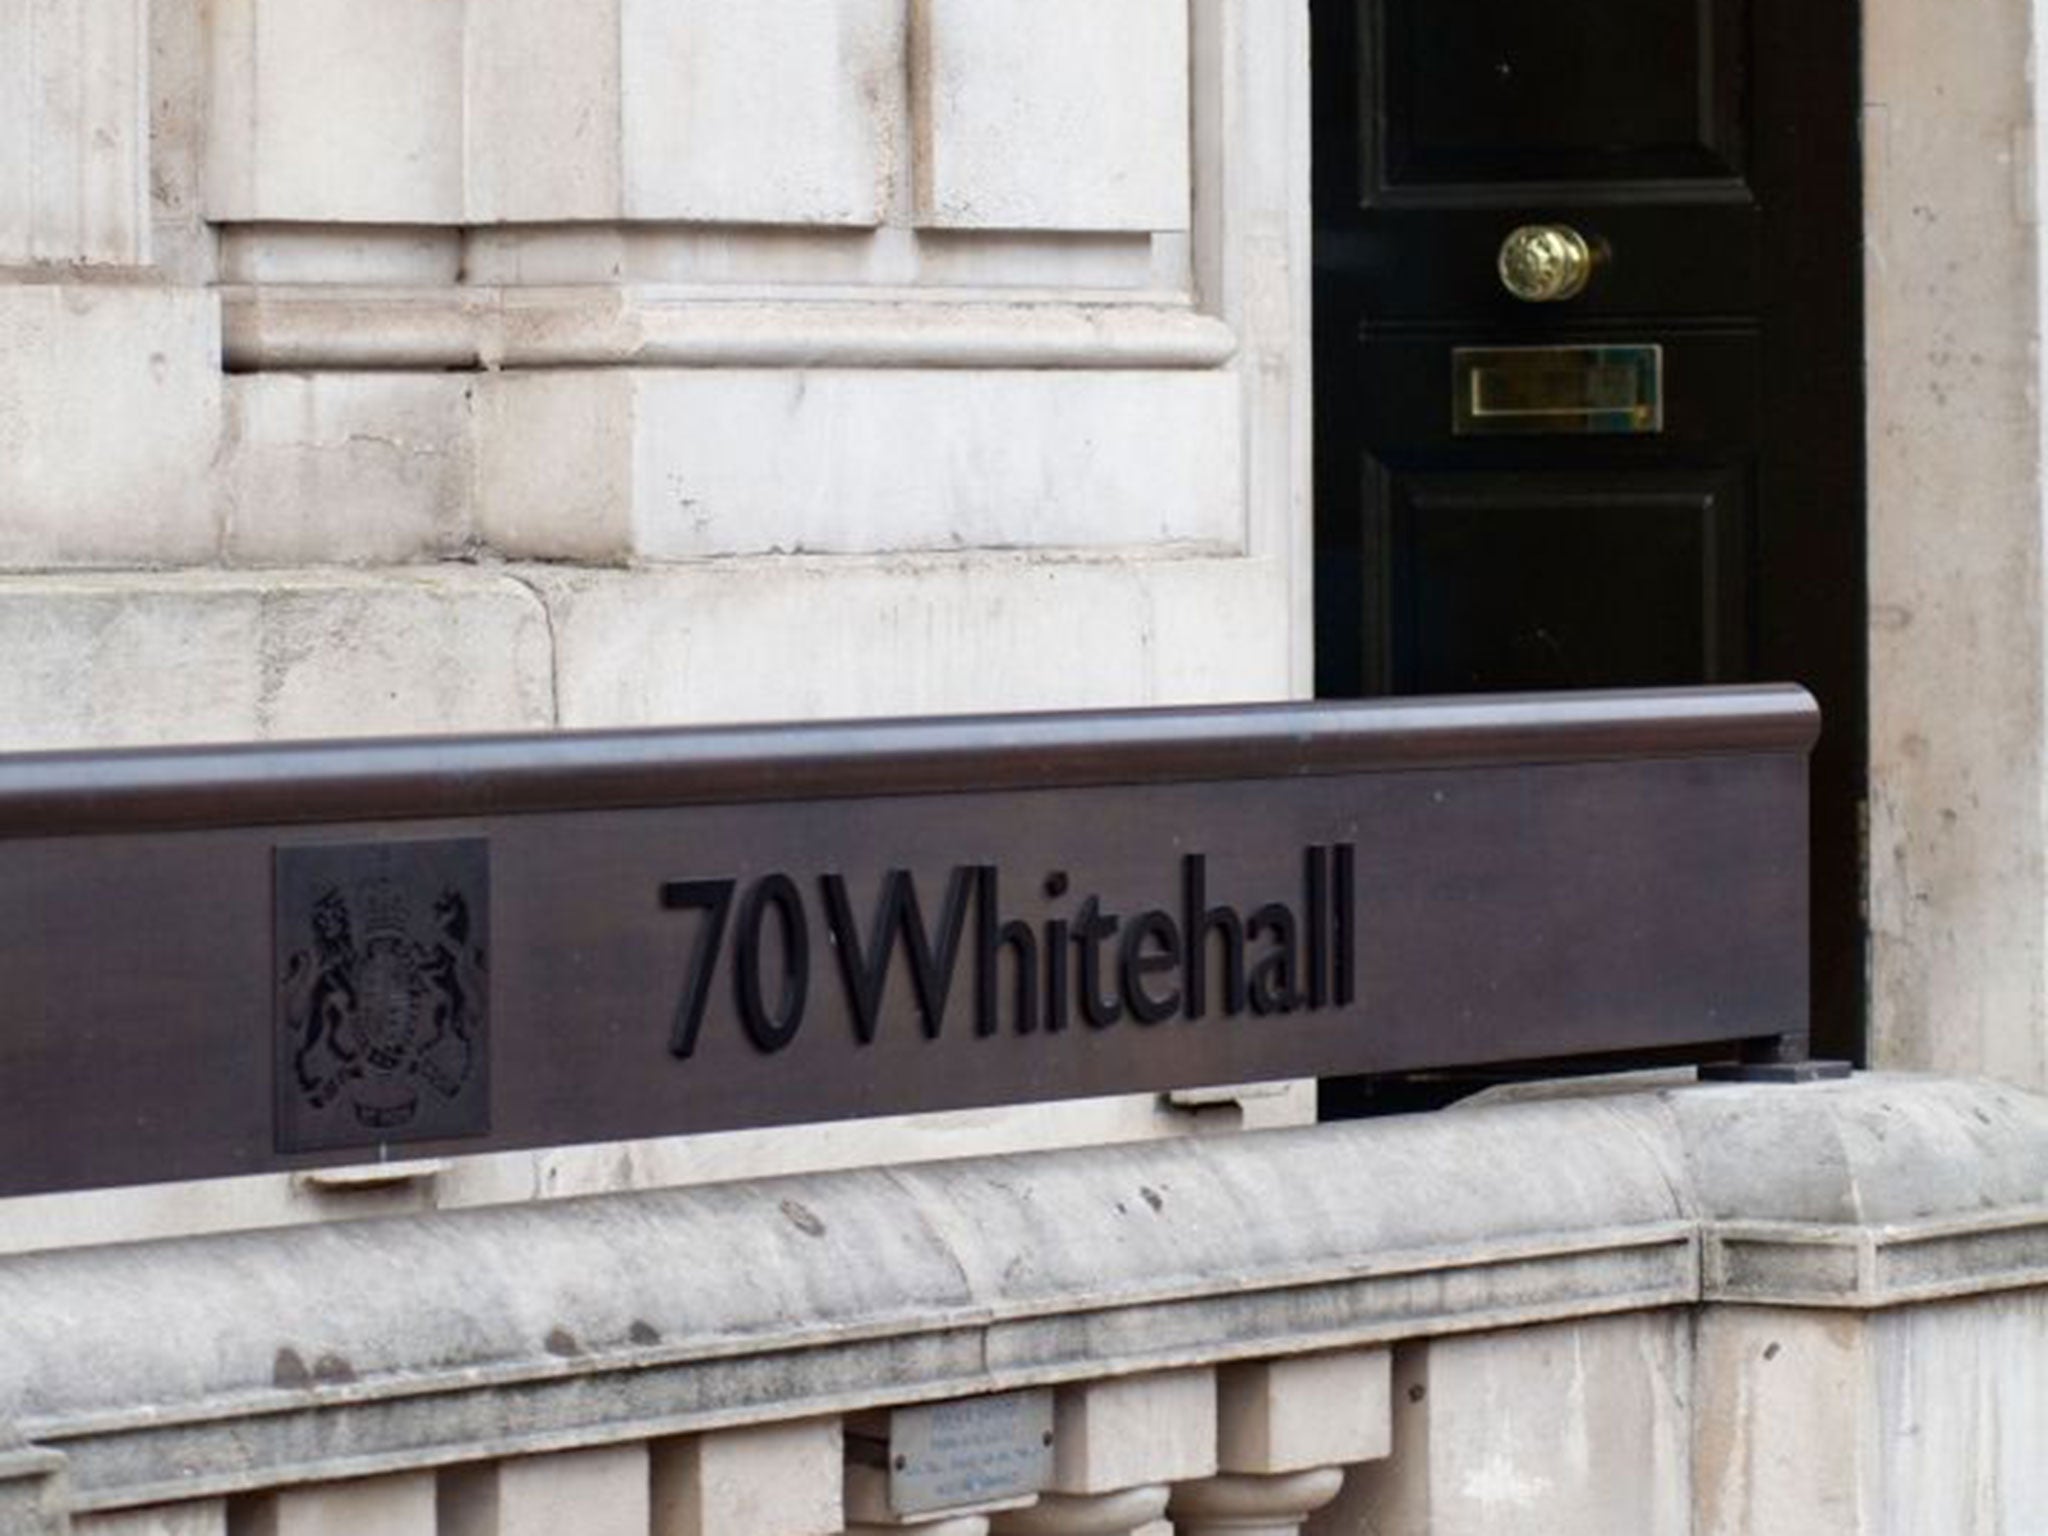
(225, 961)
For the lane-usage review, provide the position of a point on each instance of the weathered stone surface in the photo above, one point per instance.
(110, 420)
(555, 465)
(683, 1310)
(1869, 1151)
(352, 264)
(742, 640)
(199, 1517)
(1132, 1431)
(1958, 650)
(1052, 114)
(597, 1492)
(182, 243)
(1583, 1426)
(399, 1505)
(761, 111)
(74, 117)
(1874, 1424)
(1291, 1415)
(140, 660)
(1552, 1292)
(35, 1493)
(773, 1480)
(952, 1525)
(597, 296)
(346, 468)
(1244, 1504)
(1785, 1437)
(543, 104)
(336, 111)
(1961, 1396)
(1126, 1512)
(674, 465)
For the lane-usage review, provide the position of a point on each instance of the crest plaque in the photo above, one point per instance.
(383, 993)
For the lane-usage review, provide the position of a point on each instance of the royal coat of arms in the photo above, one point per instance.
(383, 993)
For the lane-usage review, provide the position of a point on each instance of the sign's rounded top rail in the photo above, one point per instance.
(46, 794)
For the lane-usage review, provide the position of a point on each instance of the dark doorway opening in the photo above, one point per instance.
(1589, 402)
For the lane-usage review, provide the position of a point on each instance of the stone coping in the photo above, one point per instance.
(200, 1366)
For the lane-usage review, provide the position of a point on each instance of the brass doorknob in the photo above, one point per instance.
(1545, 263)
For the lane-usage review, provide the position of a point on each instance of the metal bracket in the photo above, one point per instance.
(1776, 1072)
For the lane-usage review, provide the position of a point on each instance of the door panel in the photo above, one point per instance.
(1563, 580)
(1575, 93)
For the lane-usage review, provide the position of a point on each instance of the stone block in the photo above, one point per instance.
(145, 660)
(398, 1505)
(199, 1517)
(1581, 1427)
(1134, 1430)
(1304, 1411)
(1051, 114)
(1784, 1423)
(554, 464)
(761, 111)
(74, 117)
(110, 418)
(543, 111)
(775, 1480)
(346, 468)
(597, 1492)
(355, 255)
(685, 464)
(1961, 1386)
(183, 245)
(1863, 1423)
(1958, 733)
(336, 111)
(822, 639)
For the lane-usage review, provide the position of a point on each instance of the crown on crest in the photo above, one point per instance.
(384, 911)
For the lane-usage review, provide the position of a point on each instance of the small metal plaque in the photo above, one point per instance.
(971, 1453)
(1498, 391)
(383, 993)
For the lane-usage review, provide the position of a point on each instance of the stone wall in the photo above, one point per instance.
(384, 366)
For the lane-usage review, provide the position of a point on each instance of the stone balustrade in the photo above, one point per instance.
(1600, 1314)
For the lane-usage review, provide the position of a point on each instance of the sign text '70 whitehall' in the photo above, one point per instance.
(1091, 965)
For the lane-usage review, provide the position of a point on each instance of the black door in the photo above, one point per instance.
(1588, 372)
